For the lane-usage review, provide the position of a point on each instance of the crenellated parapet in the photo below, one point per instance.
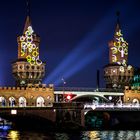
(132, 94)
(32, 95)
(42, 87)
(132, 89)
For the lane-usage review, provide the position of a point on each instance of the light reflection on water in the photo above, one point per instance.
(85, 135)
(14, 135)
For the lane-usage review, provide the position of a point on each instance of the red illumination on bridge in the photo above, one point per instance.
(69, 96)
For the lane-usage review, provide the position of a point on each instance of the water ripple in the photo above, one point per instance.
(83, 135)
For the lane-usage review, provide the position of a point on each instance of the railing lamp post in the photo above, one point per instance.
(63, 87)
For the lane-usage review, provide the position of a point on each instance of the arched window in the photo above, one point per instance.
(2, 101)
(12, 101)
(40, 102)
(22, 102)
(135, 101)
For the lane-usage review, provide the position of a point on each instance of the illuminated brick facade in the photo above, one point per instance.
(118, 73)
(132, 95)
(32, 95)
(118, 48)
(28, 68)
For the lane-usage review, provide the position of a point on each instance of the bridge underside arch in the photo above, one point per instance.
(97, 119)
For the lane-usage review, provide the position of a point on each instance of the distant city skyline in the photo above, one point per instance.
(74, 37)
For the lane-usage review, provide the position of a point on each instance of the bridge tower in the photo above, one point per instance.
(28, 68)
(118, 73)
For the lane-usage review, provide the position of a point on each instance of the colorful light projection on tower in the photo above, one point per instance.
(29, 50)
(119, 49)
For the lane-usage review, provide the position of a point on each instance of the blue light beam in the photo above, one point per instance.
(81, 64)
(77, 54)
(79, 51)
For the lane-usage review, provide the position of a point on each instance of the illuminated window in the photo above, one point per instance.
(33, 67)
(114, 70)
(27, 67)
(13, 112)
(121, 69)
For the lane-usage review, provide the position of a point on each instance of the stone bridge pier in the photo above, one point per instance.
(69, 115)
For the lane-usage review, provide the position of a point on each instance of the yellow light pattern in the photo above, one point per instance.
(114, 50)
(29, 47)
(114, 58)
(120, 48)
(119, 33)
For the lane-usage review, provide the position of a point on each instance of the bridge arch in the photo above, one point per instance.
(40, 101)
(22, 102)
(135, 101)
(12, 101)
(90, 99)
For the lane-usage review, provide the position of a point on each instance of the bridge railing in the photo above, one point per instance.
(112, 106)
(87, 89)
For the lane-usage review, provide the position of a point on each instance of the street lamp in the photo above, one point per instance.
(63, 87)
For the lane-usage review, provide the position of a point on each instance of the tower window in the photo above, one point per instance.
(27, 67)
(20, 67)
(22, 82)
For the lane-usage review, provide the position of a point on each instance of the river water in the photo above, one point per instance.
(83, 135)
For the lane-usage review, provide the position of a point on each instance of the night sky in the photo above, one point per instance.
(74, 37)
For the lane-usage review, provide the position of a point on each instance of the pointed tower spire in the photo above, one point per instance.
(118, 21)
(28, 19)
(118, 17)
(27, 24)
(28, 7)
